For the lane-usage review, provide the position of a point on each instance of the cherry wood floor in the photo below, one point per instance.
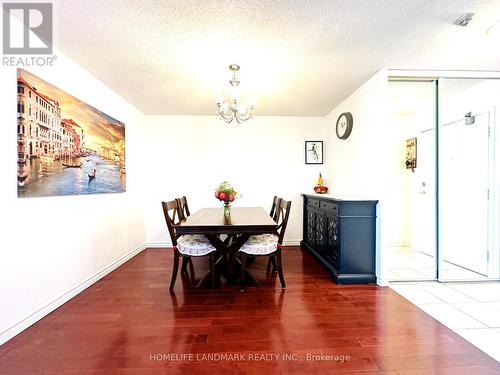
(128, 323)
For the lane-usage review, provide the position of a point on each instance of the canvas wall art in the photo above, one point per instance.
(65, 146)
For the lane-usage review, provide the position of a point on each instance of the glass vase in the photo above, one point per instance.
(227, 208)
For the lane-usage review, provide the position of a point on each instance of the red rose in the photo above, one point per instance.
(231, 197)
(222, 196)
(217, 195)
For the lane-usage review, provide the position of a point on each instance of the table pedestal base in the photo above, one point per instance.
(228, 265)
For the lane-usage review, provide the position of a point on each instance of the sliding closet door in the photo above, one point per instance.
(466, 180)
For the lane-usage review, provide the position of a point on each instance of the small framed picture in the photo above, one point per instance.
(314, 152)
(411, 154)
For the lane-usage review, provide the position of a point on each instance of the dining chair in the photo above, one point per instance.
(184, 208)
(276, 201)
(271, 262)
(185, 246)
(184, 212)
(269, 244)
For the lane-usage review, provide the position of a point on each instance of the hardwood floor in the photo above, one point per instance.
(128, 323)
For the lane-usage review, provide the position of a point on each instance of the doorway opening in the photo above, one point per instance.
(412, 251)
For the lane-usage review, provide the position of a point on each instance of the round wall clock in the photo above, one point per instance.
(344, 125)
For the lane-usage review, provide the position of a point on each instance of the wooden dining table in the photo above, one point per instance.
(228, 234)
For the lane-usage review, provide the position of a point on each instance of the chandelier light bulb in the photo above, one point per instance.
(235, 95)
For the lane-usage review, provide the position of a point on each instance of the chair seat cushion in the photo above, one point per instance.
(194, 245)
(261, 244)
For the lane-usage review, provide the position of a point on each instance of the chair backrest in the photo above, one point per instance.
(276, 202)
(173, 216)
(183, 206)
(282, 214)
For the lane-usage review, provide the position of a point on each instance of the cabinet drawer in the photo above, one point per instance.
(313, 202)
(330, 207)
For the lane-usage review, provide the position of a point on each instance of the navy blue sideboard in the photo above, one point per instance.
(341, 234)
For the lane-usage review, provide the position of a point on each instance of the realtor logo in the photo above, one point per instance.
(33, 36)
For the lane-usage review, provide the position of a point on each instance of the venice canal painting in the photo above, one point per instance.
(65, 146)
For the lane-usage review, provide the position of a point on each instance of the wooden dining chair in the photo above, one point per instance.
(185, 246)
(271, 262)
(268, 244)
(276, 201)
(184, 213)
(184, 208)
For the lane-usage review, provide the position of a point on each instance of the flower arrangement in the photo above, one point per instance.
(225, 193)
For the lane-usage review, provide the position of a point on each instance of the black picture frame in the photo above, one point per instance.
(314, 152)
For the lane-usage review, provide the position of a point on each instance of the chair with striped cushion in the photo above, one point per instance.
(184, 213)
(268, 244)
(186, 246)
(271, 262)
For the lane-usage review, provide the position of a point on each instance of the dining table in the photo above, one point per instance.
(228, 233)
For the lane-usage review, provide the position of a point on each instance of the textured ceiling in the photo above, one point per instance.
(298, 57)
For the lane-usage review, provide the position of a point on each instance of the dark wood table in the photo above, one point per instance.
(239, 226)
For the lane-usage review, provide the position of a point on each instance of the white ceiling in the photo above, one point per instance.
(298, 57)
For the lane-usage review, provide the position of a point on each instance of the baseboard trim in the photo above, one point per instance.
(382, 282)
(65, 297)
(158, 244)
(292, 243)
(163, 244)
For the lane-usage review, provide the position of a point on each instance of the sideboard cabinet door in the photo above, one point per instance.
(310, 226)
(332, 243)
(320, 231)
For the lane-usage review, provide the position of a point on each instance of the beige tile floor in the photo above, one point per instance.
(406, 264)
(470, 309)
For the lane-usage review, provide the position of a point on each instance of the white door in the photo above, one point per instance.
(463, 195)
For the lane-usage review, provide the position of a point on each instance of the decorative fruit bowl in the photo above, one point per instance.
(320, 189)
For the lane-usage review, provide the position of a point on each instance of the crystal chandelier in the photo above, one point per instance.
(233, 108)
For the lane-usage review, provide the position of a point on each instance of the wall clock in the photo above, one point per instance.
(344, 125)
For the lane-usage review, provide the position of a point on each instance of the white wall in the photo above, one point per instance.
(360, 166)
(353, 163)
(191, 155)
(53, 247)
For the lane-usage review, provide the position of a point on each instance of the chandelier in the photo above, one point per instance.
(234, 108)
